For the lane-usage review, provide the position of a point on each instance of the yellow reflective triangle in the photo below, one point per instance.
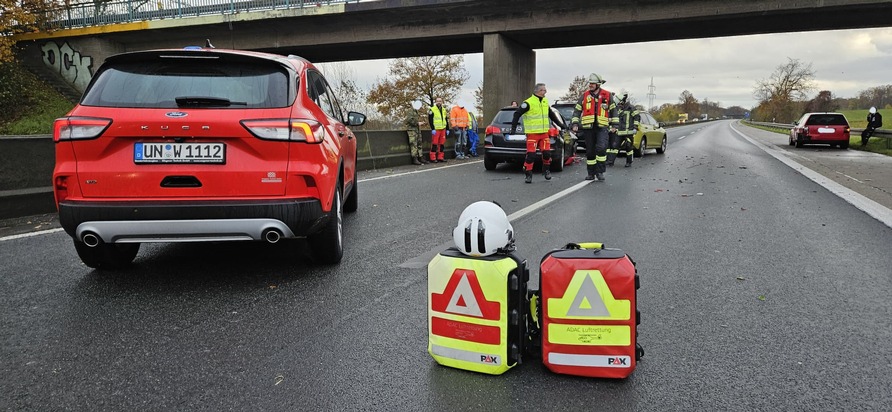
(588, 297)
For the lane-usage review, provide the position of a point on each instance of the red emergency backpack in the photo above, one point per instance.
(587, 311)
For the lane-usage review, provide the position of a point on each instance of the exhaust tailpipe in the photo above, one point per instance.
(90, 239)
(272, 235)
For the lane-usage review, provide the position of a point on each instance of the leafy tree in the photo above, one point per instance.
(780, 95)
(711, 109)
(667, 113)
(688, 104)
(418, 78)
(577, 86)
(20, 16)
(823, 102)
(736, 112)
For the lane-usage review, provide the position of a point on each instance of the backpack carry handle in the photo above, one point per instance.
(585, 245)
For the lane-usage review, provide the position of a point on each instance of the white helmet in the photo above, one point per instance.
(873, 110)
(594, 78)
(483, 228)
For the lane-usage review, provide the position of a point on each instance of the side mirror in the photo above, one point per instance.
(355, 119)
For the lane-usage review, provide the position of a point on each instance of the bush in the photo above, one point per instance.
(27, 105)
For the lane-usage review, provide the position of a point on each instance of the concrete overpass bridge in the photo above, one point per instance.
(506, 32)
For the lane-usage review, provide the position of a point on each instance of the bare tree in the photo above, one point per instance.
(879, 97)
(341, 77)
(478, 100)
(577, 86)
(788, 85)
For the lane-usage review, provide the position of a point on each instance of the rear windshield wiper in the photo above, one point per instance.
(203, 101)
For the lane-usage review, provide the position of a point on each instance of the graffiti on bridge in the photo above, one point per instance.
(69, 63)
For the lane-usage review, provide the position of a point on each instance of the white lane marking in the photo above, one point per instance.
(682, 138)
(872, 208)
(419, 171)
(23, 235)
(544, 202)
(422, 260)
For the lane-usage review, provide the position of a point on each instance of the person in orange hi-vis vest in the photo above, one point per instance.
(458, 119)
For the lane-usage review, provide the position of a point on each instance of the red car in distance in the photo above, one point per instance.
(821, 128)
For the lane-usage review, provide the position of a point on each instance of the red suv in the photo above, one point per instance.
(201, 144)
(821, 128)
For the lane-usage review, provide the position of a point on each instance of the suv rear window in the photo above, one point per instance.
(159, 84)
(566, 112)
(504, 116)
(826, 120)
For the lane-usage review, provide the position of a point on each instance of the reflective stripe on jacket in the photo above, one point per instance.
(629, 121)
(592, 109)
(458, 117)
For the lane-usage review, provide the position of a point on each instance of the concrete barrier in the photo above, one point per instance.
(26, 165)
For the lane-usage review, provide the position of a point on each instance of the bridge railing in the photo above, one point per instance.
(126, 11)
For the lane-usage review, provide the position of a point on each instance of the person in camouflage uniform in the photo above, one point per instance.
(413, 129)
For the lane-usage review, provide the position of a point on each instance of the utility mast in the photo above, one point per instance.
(650, 94)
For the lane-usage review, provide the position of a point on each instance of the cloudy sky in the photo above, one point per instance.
(723, 69)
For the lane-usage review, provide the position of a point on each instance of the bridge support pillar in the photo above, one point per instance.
(509, 73)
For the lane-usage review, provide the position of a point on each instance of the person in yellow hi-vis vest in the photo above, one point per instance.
(536, 113)
(438, 118)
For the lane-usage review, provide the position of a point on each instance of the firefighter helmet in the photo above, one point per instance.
(873, 110)
(594, 78)
(483, 228)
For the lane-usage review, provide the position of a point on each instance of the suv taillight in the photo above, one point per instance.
(79, 128)
(297, 130)
(493, 130)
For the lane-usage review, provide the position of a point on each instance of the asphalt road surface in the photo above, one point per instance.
(761, 290)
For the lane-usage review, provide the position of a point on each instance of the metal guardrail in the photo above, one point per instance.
(127, 11)
(885, 134)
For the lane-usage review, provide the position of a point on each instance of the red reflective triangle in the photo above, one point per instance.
(461, 301)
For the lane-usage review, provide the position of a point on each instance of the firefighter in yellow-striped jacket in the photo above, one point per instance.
(595, 114)
(629, 122)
